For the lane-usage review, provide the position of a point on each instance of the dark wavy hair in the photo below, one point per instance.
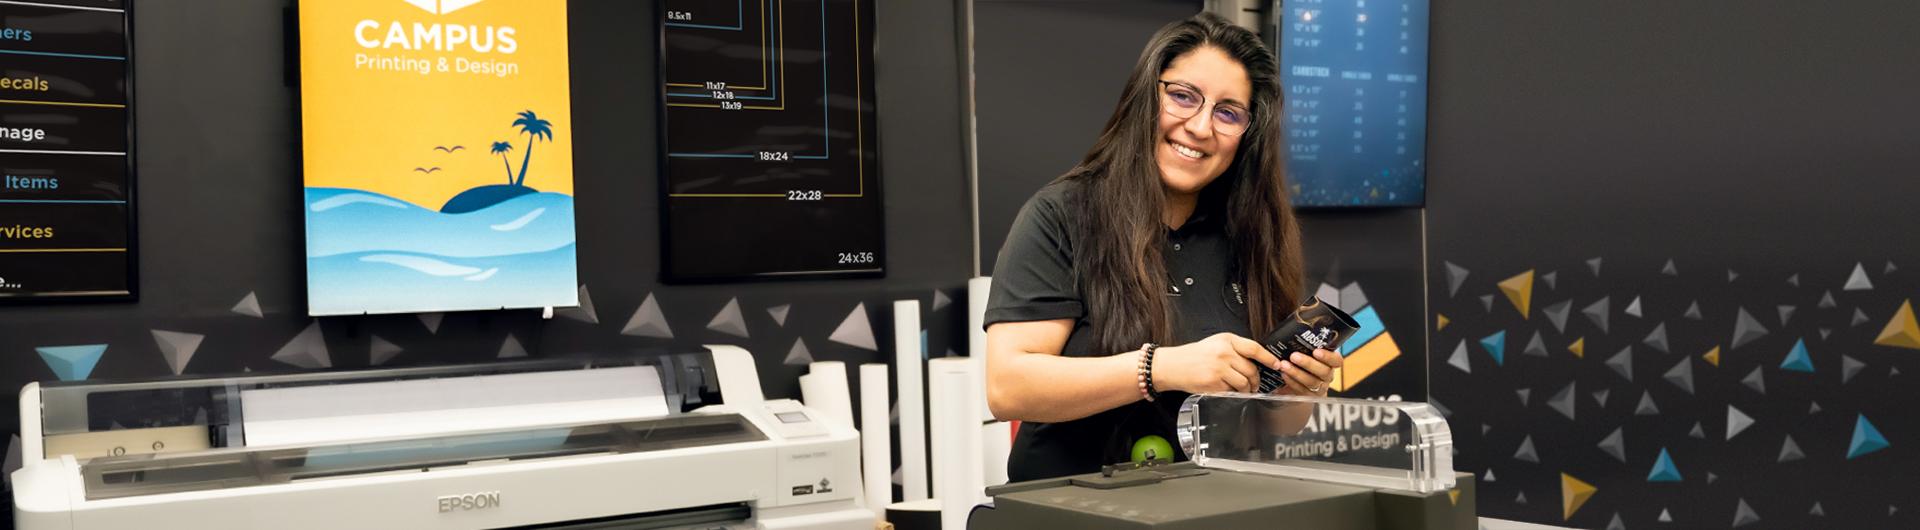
(1120, 264)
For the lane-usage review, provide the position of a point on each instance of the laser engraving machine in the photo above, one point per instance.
(677, 441)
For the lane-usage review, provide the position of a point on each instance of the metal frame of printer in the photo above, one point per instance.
(746, 462)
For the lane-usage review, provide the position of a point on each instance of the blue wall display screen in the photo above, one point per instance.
(1355, 75)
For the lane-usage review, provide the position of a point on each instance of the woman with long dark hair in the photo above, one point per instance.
(1135, 278)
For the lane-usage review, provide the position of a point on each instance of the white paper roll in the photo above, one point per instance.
(876, 445)
(996, 446)
(908, 358)
(958, 479)
(977, 290)
(825, 389)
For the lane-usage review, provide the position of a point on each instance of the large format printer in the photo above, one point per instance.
(547, 444)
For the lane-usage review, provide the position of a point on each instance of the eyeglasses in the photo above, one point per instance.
(1184, 101)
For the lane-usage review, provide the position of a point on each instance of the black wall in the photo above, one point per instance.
(1771, 140)
(219, 180)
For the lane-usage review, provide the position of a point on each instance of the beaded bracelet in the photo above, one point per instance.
(1145, 375)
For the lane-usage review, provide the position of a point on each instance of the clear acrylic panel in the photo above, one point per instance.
(1380, 444)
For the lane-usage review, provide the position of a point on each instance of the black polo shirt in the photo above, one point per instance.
(1034, 279)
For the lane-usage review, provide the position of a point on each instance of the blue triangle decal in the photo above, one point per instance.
(1663, 469)
(1866, 439)
(1797, 360)
(72, 363)
(1496, 345)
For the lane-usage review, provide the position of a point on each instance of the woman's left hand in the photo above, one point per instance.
(1309, 375)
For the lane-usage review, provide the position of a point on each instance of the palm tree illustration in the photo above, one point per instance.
(501, 148)
(535, 129)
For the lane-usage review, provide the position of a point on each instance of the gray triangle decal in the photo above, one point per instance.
(1747, 329)
(1646, 406)
(729, 320)
(1755, 380)
(511, 349)
(1456, 275)
(307, 350)
(779, 313)
(940, 301)
(1681, 375)
(648, 321)
(1594, 265)
(1597, 312)
(1737, 422)
(1858, 280)
(249, 306)
(1849, 366)
(1658, 338)
(798, 355)
(1562, 401)
(382, 351)
(177, 347)
(432, 321)
(584, 312)
(1614, 445)
(1744, 515)
(1557, 313)
(1622, 363)
(1633, 308)
(1790, 451)
(856, 330)
(1459, 358)
(1536, 347)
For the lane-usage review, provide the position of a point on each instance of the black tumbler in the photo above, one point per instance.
(1316, 325)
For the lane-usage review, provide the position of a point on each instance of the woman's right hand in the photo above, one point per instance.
(1224, 362)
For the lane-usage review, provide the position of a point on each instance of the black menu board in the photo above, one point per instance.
(66, 196)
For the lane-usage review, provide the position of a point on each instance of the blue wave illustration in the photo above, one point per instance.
(344, 221)
(371, 253)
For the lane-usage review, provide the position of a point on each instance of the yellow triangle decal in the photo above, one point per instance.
(1453, 496)
(1573, 493)
(1713, 356)
(1901, 331)
(1579, 347)
(1519, 290)
(1442, 322)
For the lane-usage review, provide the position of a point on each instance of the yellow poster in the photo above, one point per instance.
(438, 155)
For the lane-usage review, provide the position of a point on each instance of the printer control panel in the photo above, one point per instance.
(791, 420)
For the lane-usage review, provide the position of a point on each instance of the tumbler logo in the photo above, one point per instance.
(442, 7)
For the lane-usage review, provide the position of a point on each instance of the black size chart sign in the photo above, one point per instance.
(66, 195)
